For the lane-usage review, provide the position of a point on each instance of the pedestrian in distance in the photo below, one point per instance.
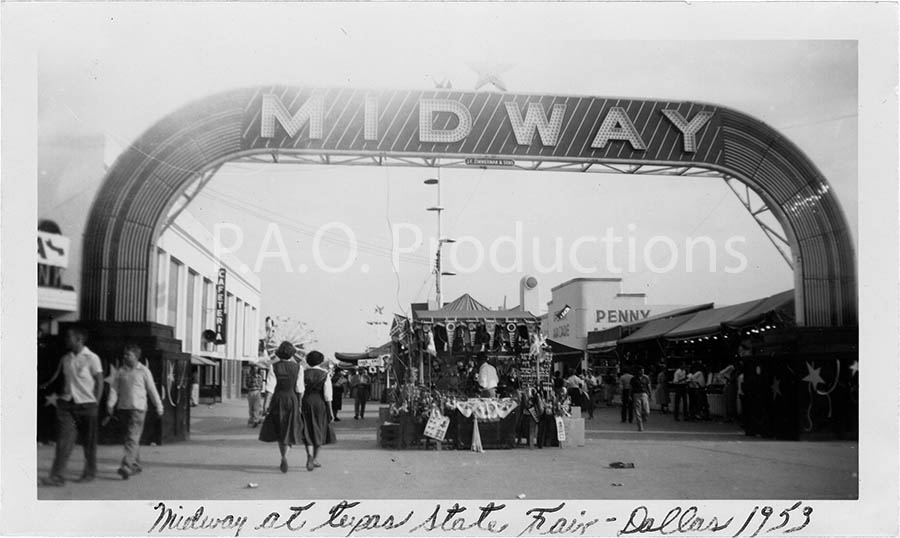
(76, 408)
(359, 385)
(338, 382)
(317, 413)
(254, 386)
(195, 387)
(640, 395)
(284, 420)
(128, 392)
(625, 385)
(662, 389)
(680, 384)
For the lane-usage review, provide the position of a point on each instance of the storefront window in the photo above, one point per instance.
(189, 336)
(238, 328)
(207, 312)
(174, 272)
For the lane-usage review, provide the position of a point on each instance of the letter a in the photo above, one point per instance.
(617, 126)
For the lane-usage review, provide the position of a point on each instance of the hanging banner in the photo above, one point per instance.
(53, 249)
(221, 314)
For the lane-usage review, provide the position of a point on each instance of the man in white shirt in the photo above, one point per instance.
(488, 380)
(76, 413)
(130, 388)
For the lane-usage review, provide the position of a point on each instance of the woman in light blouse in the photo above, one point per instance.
(284, 421)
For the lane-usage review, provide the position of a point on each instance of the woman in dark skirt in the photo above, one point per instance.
(284, 420)
(317, 412)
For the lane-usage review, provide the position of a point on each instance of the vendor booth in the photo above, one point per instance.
(376, 362)
(446, 350)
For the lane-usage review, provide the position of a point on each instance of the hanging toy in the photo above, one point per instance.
(430, 348)
(451, 335)
(511, 332)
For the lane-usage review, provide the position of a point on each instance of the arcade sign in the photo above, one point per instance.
(496, 128)
(53, 249)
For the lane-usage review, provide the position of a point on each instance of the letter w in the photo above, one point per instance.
(273, 109)
(535, 118)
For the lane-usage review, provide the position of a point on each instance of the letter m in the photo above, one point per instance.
(312, 112)
(535, 118)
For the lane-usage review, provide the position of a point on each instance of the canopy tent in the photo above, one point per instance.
(374, 353)
(656, 329)
(630, 328)
(563, 352)
(201, 361)
(605, 339)
(465, 309)
(710, 321)
(782, 304)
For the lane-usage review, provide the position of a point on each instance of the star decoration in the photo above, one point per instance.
(855, 367)
(112, 375)
(813, 376)
(490, 74)
(776, 388)
(170, 377)
(51, 400)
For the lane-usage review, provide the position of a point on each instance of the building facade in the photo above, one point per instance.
(582, 305)
(187, 278)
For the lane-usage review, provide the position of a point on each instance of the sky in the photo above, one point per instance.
(125, 70)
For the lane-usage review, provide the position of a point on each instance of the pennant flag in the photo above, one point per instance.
(400, 328)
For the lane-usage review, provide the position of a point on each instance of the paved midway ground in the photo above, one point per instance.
(673, 460)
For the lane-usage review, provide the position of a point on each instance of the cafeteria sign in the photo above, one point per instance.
(221, 314)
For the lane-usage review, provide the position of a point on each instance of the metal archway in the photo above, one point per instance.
(455, 128)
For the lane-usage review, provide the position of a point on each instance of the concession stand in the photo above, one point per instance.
(443, 349)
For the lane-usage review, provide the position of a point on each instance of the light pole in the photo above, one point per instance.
(438, 272)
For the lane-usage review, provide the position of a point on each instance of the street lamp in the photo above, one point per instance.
(441, 242)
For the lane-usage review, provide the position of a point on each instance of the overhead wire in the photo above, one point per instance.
(265, 213)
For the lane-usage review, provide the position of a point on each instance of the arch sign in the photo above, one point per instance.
(455, 128)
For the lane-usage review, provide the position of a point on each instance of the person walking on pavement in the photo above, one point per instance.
(284, 421)
(662, 389)
(679, 383)
(591, 382)
(338, 382)
(577, 390)
(696, 384)
(640, 395)
(254, 385)
(317, 413)
(76, 412)
(625, 385)
(359, 385)
(128, 392)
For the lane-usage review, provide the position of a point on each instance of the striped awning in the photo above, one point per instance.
(201, 361)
